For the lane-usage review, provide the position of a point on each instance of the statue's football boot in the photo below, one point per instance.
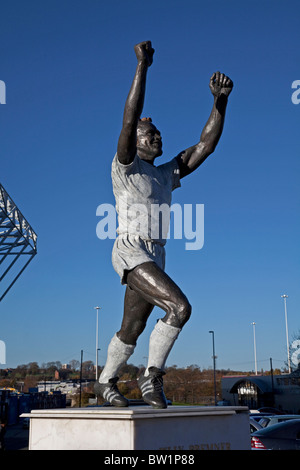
(151, 387)
(110, 392)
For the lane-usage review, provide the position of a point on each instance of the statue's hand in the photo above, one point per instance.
(220, 84)
(144, 52)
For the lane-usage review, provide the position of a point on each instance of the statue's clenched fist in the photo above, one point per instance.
(144, 52)
(220, 84)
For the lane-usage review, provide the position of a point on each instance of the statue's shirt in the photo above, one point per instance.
(143, 194)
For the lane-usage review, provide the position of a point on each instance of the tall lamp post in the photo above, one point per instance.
(254, 342)
(284, 296)
(214, 363)
(97, 349)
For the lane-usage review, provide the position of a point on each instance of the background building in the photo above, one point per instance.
(279, 391)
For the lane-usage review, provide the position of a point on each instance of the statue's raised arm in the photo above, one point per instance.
(190, 159)
(134, 104)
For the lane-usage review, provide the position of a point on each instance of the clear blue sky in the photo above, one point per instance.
(68, 66)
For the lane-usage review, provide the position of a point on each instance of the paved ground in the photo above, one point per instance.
(16, 437)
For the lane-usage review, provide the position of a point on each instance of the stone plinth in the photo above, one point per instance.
(140, 428)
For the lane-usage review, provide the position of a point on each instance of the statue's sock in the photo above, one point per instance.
(161, 342)
(117, 355)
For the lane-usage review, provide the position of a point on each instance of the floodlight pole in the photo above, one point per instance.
(97, 349)
(284, 296)
(254, 342)
(214, 363)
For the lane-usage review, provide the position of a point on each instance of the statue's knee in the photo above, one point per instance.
(179, 313)
(184, 313)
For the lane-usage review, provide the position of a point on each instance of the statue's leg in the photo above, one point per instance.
(121, 347)
(156, 287)
(136, 313)
(147, 286)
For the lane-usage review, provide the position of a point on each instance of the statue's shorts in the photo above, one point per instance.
(130, 251)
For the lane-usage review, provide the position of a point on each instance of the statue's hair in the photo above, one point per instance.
(142, 122)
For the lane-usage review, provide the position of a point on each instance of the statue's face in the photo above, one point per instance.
(149, 143)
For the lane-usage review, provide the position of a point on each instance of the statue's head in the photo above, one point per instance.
(149, 143)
